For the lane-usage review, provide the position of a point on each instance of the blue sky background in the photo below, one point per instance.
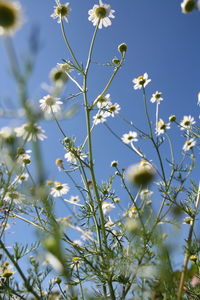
(161, 41)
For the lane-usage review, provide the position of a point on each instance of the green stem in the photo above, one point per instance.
(188, 248)
(69, 47)
(27, 285)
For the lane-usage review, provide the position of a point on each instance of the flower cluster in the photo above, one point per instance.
(105, 109)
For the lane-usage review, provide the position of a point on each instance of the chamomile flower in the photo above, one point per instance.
(61, 11)
(72, 158)
(21, 178)
(141, 81)
(58, 76)
(7, 133)
(145, 194)
(10, 17)
(113, 109)
(49, 103)
(156, 97)
(14, 197)
(24, 157)
(103, 101)
(161, 127)
(107, 207)
(30, 131)
(189, 144)
(187, 6)
(140, 174)
(187, 122)
(59, 189)
(100, 15)
(130, 137)
(100, 117)
(66, 67)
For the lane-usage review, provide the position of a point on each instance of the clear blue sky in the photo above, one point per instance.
(161, 41)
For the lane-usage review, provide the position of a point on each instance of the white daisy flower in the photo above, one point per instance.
(187, 6)
(103, 101)
(141, 81)
(10, 17)
(21, 178)
(74, 200)
(59, 189)
(7, 133)
(187, 122)
(72, 158)
(100, 15)
(49, 103)
(30, 131)
(189, 144)
(132, 212)
(161, 127)
(156, 97)
(25, 158)
(100, 117)
(130, 137)
(107, 207)
(14, 197)
(66, 67)
(145, 194)
(113, 109)
(61, 11)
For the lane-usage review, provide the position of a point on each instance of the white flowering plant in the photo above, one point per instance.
(110, 238)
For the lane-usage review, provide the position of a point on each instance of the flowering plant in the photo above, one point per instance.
(95, 239)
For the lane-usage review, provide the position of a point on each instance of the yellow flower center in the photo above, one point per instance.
(186, 123)
(141, 80)
(76, 259)
(189, 6)
(8, 15)
(62, 10)
(100, 12)
(157, 96)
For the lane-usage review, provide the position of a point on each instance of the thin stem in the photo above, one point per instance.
(188, 249)
(27, 285)
(69, 47)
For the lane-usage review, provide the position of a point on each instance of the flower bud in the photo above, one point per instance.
(122, 48)
(116, 61)
(172, 118)
(57, 280)
(114, 163)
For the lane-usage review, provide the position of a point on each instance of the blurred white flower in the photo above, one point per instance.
(30, 131)
(49, 103)
(145, 194)
(107, 207)
(10, 17)
(100, 15)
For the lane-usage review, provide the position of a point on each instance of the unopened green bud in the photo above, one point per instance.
(122, 48)
(116, 61)
(172, 118)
